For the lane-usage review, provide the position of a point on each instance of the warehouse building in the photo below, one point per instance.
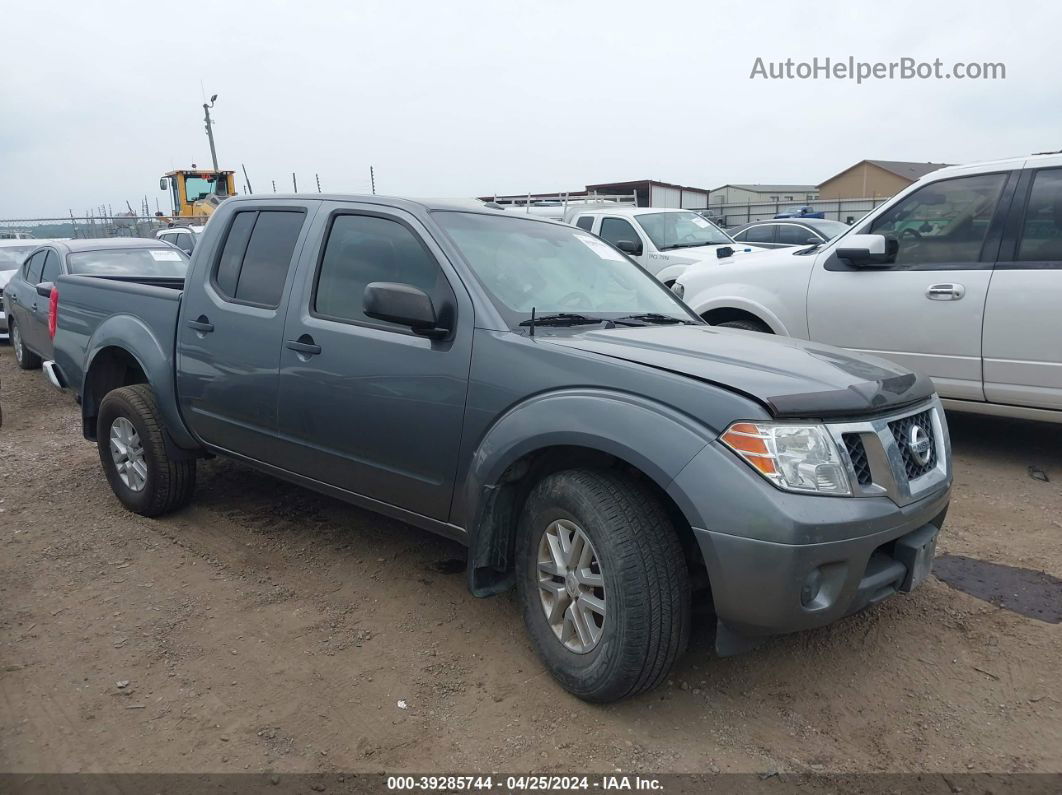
(761, 194)
(872, 179)
(649, 193)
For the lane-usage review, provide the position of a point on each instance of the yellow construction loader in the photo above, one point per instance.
(196, 192)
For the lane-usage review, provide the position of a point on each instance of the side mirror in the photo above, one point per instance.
(630, 247)
(862, 251)
(724, 252)
(164, 183)
(812, 241)
(403, 304)
(44, 289)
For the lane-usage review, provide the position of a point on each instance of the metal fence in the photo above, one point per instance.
(847, 210)
(71, 226)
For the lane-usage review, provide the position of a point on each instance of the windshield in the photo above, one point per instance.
(152, 262)
(554, 268)
(11, 257)
(681, 230)
(830, 229)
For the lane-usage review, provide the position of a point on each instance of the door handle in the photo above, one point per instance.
(304, 345)
(945, 292)
(201, 324)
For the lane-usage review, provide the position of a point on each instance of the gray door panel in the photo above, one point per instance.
(378, 411)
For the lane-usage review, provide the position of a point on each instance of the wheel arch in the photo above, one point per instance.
(124, 351)
(722, 310)
(508, 462)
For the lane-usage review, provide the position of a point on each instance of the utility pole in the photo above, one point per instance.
(246, 178)
(372, 179)
(294, 184)
(210, 129)
(318, 178)
(274, 185)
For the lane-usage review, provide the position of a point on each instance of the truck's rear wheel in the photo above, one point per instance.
(25, 358)
(603, 583)
(133, 453)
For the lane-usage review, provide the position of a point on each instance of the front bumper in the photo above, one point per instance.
(762, 587)
(780, 562)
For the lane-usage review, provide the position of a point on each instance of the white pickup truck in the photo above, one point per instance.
(663, 241)
(959, 277)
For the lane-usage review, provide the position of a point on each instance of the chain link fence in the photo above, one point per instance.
(78, 227)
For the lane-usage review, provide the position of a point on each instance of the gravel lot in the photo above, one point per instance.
(268, 628)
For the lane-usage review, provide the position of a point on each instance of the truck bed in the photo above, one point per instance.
(95, 311)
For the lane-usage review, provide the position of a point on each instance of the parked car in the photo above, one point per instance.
(802, 212)
(663, 241)
(792, 232)
(521, 386)
(13, 252)
(958, 277)
(183, 237)
(30, 294)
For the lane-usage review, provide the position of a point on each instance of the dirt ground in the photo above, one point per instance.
(268, 628)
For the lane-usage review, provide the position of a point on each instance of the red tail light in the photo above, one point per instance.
(53, 311)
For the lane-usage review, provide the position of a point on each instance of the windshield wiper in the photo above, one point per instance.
(656, 317)
(562, 319)
(686, 245)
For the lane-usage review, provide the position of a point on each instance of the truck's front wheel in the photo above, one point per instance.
(133, 453)
(603, 583)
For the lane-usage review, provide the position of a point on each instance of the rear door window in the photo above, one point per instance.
(34, 266)
(255, 259)
(1041, 238)
(50, 271)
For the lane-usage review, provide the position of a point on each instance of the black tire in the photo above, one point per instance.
(169, 482)
(746, 325)
(24, 357)
(646, 583)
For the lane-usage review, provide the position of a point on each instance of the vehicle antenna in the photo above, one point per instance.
(531, 332)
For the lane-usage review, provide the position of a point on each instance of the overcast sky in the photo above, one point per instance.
(471, 98)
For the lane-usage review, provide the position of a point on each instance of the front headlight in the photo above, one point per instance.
(801, 458)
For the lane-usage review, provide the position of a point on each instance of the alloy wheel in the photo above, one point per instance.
(571, 586)
(127, 451)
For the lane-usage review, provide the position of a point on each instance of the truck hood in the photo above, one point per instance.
(792, 378)
(705, 254)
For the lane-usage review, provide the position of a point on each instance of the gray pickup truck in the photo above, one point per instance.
(523, 387)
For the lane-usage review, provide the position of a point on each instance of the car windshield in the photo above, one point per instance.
(554, 268)
(165, 262)
(11, 257)
(830, 229)
(681, 230)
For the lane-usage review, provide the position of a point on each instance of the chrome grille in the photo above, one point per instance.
(858, 453)
(901, 430)
(880, 461)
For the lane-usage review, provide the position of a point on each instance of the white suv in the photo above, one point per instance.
(959, 277)
(663, 241)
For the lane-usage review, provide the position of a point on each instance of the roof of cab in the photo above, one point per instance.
(103, 243)
(414, 205)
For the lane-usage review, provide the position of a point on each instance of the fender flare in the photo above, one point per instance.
(752, 307)
(657, 440)
(134, 337)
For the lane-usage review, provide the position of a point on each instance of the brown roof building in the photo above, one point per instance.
(874, 179)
